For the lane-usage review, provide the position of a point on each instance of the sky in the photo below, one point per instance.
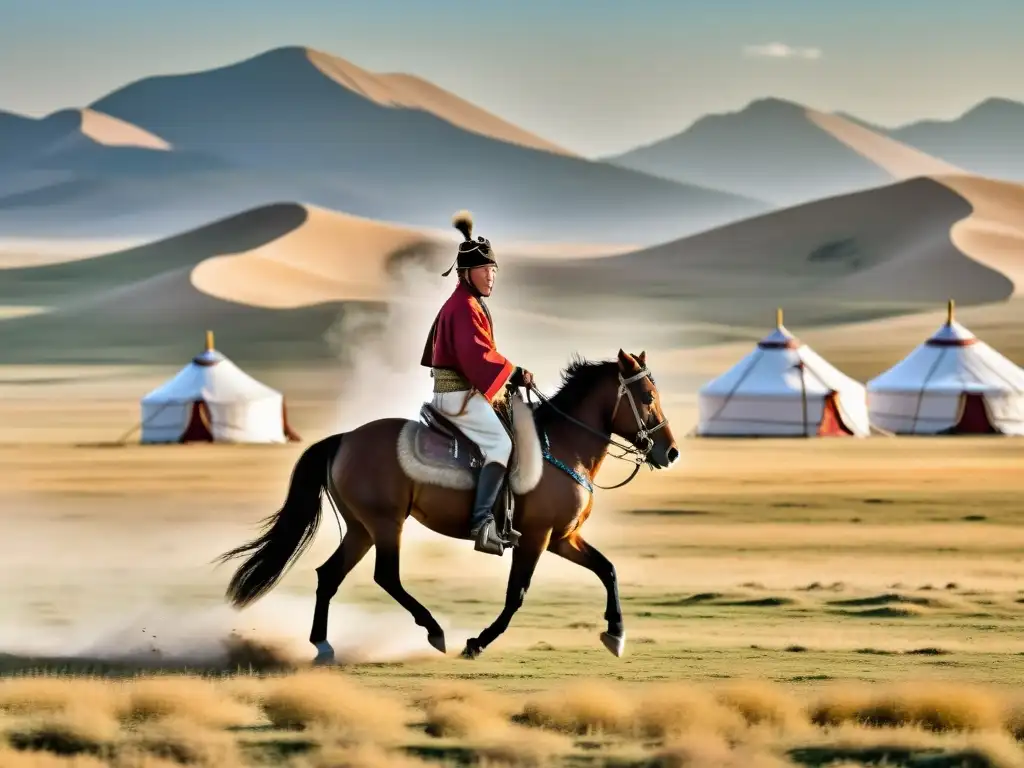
(596, 76)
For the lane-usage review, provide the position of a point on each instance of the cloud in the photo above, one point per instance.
(781, 51)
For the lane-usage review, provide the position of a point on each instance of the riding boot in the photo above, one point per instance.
(482, 527)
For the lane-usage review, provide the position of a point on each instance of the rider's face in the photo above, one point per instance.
(482, 278)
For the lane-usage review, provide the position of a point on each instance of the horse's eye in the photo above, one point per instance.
(648, 398)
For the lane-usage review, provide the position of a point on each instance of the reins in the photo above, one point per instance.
(639, 454)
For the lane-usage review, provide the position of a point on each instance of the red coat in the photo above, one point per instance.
(461, 338)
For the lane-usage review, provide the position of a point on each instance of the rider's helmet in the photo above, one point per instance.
(472, 253)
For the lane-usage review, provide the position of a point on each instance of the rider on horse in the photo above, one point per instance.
(470, 376)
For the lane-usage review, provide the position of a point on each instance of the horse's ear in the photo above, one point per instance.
(627, 363)
(642, 357)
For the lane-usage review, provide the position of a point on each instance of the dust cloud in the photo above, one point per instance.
(380, 348)
(274, 630)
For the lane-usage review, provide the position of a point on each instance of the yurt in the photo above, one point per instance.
(782, 388)
(213, 400)
(952, 383)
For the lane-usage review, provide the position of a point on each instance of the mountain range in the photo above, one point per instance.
(298, 124)
(776, 150)
(274, 197)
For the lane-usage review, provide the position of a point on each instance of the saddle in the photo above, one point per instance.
(441, 444)
(444, 443)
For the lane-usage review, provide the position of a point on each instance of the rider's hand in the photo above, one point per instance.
(522, 377)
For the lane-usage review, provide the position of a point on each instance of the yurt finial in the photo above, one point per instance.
(949, 312)
(778, 317)
(209, 341)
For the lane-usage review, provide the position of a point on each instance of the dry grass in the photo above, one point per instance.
(320, 718)
(324, 700)
(937, 707)
(186, 698)
(31, 695)
(358, 756)
(182, 740)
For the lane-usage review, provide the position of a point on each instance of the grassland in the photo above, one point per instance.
(787, 603)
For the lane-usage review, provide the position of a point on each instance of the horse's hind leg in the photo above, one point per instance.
(354, 545)
(386, 574)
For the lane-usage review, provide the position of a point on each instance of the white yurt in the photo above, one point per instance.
(782, 388)
(952, 383)
(213, 400)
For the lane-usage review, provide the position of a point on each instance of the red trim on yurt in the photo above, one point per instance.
(951, 342)
(787, 344)
(831, 421)
(198, 429)
(291, 434)
(974, 418)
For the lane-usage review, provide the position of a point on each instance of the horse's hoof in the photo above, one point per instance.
(471, 651)
(437, 641)
(617, 645)
(324, 655)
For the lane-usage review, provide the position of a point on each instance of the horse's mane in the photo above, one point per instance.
(578, 378)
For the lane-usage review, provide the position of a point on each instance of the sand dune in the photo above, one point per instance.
(112, 132)
(411, 92)
(993, 234)
(329, 257)
(141, 305)
(784, 152)
(288, 272)
(27, 141)
(273, 281)
(73, 282)
(869, 254)
(36, 252)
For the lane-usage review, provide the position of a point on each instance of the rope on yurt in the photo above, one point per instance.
(746, 372)
(140, 424)
(927, 378)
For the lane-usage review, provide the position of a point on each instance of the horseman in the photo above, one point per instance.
(470, 375)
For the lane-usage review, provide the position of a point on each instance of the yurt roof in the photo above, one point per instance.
(213, 377)
(952, 359)
(780, 337)
(780, 364)
(951, 333)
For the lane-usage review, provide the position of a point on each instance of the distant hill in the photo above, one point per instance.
(321, 125)
(772, 149)
(987, 139)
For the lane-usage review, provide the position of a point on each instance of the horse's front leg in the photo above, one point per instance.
(576, 550)
(524, 562)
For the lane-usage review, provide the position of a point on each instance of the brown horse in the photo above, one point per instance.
(363, 475)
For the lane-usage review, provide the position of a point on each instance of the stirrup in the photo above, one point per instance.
(488, 540)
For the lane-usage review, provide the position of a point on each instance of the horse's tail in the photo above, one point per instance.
(287, 533)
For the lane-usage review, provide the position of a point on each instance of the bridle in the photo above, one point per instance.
(638, 453)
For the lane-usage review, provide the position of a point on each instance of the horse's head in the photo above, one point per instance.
(638, 415)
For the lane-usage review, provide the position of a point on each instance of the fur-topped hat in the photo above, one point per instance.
(472, 253)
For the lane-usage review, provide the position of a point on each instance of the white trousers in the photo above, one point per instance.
(479, 422)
